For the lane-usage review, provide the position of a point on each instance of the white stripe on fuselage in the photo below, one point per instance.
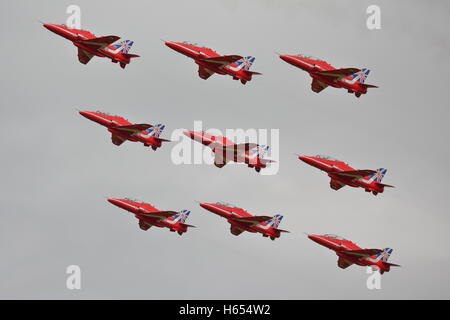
(334, 243)
(306, 63)
(103, 118)
(225, 211)
(128, 204)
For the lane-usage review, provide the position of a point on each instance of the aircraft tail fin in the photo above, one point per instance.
(260, 151)
(156, 130)
(123, 46)
(378, 176)
(275, 221)
(245, 63)
(361, 76)
(384, 256)
(181, 216)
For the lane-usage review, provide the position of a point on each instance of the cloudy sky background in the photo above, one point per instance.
(58, 166)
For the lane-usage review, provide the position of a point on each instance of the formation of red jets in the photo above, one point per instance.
(224, 150)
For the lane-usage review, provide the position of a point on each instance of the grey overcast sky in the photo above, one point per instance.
(57, 166)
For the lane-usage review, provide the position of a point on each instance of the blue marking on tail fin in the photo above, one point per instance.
(184, 214)
(260, 151)
(245, 63)
(156, 130)
(361, 76)
(124, 46)
(384, 256)
(379, 175)
(275, 221)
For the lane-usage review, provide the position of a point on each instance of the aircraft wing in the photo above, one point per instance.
(222, 61)
(317, 85)
(83, 56)
(117, 140)
(338, 73)
(244, 147)
(232, 148)
(252, 220)
(236, 230)
(99, 43)
(336, 185)
(220, 159)
(355, 174)
(363, 253)
(144, 225)
(159, 214)
(204, 73)
(133, 128)
(343, 263)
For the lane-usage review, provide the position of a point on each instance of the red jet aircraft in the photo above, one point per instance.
(240, 220)
(325, 75)
(209, 62)
(89, 45)
(342, 174)
(349, 253)
(149, 216)
(122, 130)
(226, 150)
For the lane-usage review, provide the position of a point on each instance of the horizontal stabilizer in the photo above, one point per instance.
(281, 230)
(362, 252)
(368, 85)
(253, 72)
(162, 140)
(355, 173)
(392, 264)
(265, 161)
(385, 185)
(188, 225)
(129, 56)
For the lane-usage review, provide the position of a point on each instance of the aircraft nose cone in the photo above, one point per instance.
(113, 201)
(286, 58)
(283, 57)
(50, 27)
(171, 45)
(205, 206)
(304, 158)
(314, 238)
(86, 114)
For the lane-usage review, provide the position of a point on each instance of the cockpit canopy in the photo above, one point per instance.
(308, 57)
(195, 45)
(108, 114)
(135, 200)
(324, 157)
(226, 204)
(333, 236)
(73, 28)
